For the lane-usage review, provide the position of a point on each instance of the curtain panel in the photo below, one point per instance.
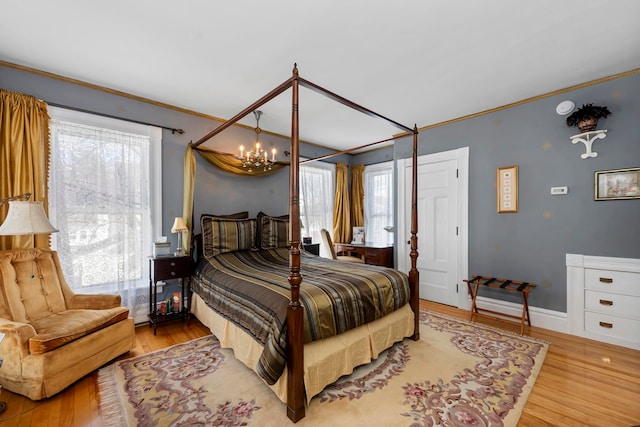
(357, 196)
(341, 207)
(100, 193)
(24, 158)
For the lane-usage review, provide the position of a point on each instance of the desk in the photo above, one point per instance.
(374, 253)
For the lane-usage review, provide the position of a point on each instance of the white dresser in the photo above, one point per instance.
(603, 299)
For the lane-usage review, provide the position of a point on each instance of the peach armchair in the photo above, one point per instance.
(53, 337)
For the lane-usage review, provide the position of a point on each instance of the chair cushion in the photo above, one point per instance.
(30, 285)
(58, 329)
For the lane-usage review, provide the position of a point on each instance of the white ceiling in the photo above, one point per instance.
(415, 61)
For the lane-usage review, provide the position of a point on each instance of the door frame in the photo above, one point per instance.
(461, 155)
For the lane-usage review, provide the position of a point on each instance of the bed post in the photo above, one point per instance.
(295, 317)
(414, 275)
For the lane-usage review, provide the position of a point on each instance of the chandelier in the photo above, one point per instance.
(257, 157)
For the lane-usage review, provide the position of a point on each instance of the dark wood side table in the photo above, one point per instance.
(167, 268)
(312, 248)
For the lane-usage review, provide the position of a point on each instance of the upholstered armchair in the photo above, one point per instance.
(53, 337)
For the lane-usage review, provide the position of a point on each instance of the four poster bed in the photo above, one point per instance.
(298, 320)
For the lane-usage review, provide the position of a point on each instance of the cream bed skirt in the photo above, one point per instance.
(326, 360)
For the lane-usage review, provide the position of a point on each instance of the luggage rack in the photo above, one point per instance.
(524, 288)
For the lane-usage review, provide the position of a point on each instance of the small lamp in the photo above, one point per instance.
(25, 217)
(178, 227)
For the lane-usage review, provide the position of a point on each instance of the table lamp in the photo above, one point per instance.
(178, 227)
(25, 218)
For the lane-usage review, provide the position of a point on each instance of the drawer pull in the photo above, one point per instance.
(606, 280)
(606, 325)
(173, 273)
(173, 264)
(606, 302)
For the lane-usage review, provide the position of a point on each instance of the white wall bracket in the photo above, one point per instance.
(588, 138)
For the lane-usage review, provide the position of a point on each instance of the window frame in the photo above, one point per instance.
(331, 168)
(372, 169)
(155, 154)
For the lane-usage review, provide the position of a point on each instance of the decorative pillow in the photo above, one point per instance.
(272, 231)
(238, 215)
(220, 235)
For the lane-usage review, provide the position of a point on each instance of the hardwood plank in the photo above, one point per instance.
(582, 382)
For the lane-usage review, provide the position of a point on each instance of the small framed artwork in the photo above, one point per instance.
(619, 184)
(507, 185)
(358, 235)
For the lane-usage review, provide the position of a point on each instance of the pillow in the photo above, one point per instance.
(272, 231)
(238, 215)
(220, 235)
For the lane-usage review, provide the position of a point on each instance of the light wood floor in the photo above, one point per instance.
(582, 382)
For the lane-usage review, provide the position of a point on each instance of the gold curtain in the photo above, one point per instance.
(230, 163)
(24, 158)
(357, 196)
(225, 161)
(187, 198)
(341, 207)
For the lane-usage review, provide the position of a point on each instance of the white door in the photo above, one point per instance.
(442, 223)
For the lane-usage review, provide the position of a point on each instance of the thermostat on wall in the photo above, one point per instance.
(559, 190)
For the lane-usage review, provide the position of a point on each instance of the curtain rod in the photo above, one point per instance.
(82, 110)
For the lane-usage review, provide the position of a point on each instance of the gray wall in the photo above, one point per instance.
(529, 245)
(216, 191)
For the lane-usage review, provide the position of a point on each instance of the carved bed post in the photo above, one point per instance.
(295, 316)
(414, 275)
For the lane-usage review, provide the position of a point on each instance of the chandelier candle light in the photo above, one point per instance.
(257, 156)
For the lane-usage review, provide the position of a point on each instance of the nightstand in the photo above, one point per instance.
(312, 248)
(167, 268)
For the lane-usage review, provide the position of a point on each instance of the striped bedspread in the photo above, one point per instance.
(251, 289)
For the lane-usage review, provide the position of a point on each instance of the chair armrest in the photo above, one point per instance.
(15, 345)
(94, 301)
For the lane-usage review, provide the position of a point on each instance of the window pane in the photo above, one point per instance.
(316, 200)
(378, 208)
(105, 196)
(100, 203)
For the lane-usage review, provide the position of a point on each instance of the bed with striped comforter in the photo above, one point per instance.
(250, 288)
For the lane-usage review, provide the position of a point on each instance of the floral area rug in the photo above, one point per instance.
(458, 374)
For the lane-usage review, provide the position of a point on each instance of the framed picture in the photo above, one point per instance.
(358, 235)
(507, 185)
(619, 184)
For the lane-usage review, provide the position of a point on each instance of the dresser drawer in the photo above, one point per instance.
(171, 268)
(375, 258)
(613, 327)
(613, 304)
(621, 282)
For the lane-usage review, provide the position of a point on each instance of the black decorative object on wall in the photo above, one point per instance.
(586, 117)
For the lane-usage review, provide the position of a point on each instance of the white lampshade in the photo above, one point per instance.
(26, 218)
(178, 225)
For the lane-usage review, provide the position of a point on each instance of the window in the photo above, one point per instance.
(317, 193)
(105, 198)
(378, 202)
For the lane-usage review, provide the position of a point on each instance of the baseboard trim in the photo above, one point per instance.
(540, 317)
